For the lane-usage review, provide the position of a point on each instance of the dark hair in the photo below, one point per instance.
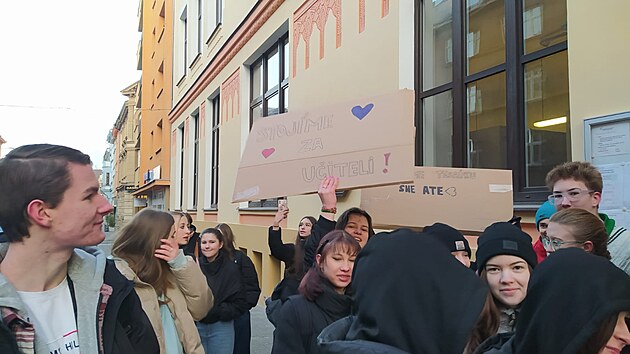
(30, 172)
(297, 268)
(228, 244)
(578, 170)
(585, 226)
(486, 326)
(312, 285)
(342, 222)
(136, 243)
(600, 337)
(220, 237)
(188, 217)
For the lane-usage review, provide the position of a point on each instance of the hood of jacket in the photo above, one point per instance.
(85, 269)
(332, 340)
(430, 284)
(568, 298)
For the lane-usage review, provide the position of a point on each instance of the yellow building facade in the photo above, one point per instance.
(126, 134)
(155, 57)
(499, 84)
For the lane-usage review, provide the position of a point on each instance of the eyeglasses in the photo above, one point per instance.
(573, 195)
(555, 244)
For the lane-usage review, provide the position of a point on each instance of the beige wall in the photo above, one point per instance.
(599, 73)
(127, 155)
(365, 64)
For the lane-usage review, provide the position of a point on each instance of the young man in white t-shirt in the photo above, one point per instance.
(57, 295)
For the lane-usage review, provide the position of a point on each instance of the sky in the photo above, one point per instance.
(62, 67)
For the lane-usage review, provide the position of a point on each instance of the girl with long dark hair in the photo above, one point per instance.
(216, 329)
(322, 299)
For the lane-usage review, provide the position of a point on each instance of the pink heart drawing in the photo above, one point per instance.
(267, 152)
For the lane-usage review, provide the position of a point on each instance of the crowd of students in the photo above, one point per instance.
(168, 289)
(408, 295)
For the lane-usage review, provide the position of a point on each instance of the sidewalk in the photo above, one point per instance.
(262, 331)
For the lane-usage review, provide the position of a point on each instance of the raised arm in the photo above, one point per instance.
(326, 222)
(281, 251)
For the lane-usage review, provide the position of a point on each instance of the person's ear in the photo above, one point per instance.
(318, 258)
(596, 198)
(588, 246)
(220, 244)
(39, 213)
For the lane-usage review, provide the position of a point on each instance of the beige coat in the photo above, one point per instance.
(189, 302)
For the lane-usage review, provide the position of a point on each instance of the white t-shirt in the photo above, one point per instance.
(52, 315)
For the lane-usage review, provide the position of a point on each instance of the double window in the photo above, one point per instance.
(492, 86)
(270, 90)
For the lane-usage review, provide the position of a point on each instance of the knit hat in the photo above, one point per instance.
(545, 211)
(448, 236)
(502, 238)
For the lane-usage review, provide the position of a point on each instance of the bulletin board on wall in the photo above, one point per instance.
(607, 146)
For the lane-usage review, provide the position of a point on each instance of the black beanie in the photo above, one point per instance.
(504, 238)
(448, 236)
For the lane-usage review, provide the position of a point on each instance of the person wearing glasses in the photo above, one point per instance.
(579, 184)
(576, 303)
(576, 228)
(544, 212)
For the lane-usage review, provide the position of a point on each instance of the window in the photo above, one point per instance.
(184, 19)
(199, 25)
(269, 90)
(493, 75)
(181, 167)
(195, 176)
(214, 168)
(219, 12)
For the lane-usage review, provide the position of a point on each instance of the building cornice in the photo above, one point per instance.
(244, 32)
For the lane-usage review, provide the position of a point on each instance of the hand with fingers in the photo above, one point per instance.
(327, 194)
(168, 250)
(281, 214)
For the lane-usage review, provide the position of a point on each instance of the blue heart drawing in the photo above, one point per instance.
(361, 112)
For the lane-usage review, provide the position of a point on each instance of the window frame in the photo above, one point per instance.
(515, 61)
(195, 176)
(269, 92)
(214, 167)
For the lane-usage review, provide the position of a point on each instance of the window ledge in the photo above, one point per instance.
(210, 210)
(181, 80)
(214, 33)
(261, 209)
(195, 60)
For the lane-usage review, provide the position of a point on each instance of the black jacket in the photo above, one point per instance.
(126, 328)
(249, 279)
(281, 251)
(319, 230)
(410, 294)
(569, 296)
(224, 278)
(300, 321)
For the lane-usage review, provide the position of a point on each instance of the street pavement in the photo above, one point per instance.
(262, 329)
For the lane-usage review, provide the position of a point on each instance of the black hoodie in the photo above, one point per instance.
(569, 296)
(411, 294)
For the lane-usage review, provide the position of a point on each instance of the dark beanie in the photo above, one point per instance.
(503, 238)
(448, 236)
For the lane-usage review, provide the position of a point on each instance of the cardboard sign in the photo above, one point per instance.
(366, 142)
(467, 199)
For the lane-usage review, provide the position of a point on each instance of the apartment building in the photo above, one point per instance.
(498, 84)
